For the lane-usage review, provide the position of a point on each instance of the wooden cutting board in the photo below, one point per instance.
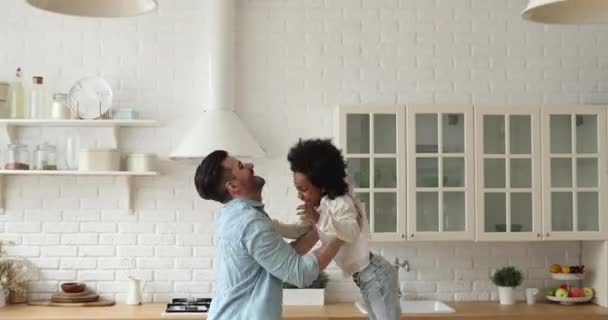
(49, 303)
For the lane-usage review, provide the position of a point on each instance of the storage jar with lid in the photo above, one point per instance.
(45, 157)
(98, 160)
(141, 162)
(60, 109)
(17, 157)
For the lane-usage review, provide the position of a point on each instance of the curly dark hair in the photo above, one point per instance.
(322, 163)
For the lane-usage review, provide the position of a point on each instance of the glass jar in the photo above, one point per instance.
(60, 109)
(45, 157)
(17, 157)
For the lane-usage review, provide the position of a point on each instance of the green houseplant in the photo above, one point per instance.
(507, 278)
(313, 294)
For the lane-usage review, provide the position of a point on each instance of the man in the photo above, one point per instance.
(252, 260)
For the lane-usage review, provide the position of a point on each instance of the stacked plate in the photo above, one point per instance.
(74, 294)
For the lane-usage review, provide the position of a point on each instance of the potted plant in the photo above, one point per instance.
(506, 279)
(312, 295)
(13, 276)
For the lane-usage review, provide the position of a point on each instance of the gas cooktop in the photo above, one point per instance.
(187, 306)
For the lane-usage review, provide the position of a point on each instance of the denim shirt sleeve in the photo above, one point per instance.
(275, 255)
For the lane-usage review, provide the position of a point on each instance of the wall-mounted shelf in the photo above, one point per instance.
(77, 123)
(8, 128)
(125, 176)
(74, 173)
(10, 135)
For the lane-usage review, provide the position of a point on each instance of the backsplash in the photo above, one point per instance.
(297, 60)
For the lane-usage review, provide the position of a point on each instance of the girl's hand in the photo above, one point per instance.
(308, 214)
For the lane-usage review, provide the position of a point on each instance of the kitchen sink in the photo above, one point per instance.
(416, 306)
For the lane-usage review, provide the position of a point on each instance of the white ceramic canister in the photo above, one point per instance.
(59, 108)
(98, 160)
(141, 162)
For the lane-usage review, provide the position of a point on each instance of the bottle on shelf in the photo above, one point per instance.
(4, 99)
(16, 99)
(38, 100)
(71, 151)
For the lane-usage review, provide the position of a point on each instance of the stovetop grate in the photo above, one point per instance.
(198, 305)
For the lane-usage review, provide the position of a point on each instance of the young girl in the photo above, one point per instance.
(319, 173)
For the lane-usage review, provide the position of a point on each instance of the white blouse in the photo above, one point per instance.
(338, 219)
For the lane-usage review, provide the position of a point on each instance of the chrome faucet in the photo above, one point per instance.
(405, 265)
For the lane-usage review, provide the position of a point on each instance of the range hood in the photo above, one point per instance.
(567, 11)
(219, 127)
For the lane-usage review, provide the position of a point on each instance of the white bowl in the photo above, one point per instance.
(569, 300)
(568, 276)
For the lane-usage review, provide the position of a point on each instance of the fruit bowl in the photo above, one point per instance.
(569, 300)
(568, 276)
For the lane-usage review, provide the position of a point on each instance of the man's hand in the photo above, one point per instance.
(308, 214)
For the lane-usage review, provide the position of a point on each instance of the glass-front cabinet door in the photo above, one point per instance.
(440, 171)
(574, 142)
(371, 139)
(508, 157)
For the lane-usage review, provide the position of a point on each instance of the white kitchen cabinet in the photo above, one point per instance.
(508, 180)
(574, 172)
(440, 173)
(372, 140)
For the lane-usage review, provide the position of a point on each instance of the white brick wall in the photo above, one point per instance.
(296, 59)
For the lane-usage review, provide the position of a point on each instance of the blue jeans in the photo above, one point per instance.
(379, 285)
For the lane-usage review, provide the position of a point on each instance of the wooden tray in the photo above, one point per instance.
(61, 298)
(49, 303)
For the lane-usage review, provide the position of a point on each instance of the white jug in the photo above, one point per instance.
(134, 296)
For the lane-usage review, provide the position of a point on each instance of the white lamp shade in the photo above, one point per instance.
(97, 8)
(217, 129)
(567, 11)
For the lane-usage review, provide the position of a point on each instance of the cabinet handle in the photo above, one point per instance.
(538, 235)
(412, 235)
(547, 235)
(403, 236)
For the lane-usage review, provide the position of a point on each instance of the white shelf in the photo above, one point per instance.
(74, 173)
(7, 126)
(77, 123)
(10, 134)
(126, 178)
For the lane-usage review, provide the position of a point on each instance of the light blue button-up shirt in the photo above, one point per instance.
(251, 262)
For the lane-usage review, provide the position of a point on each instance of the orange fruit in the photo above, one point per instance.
(566, 269)
(555, 268)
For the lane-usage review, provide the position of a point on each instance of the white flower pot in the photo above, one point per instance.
(303, 297)
(506, 295)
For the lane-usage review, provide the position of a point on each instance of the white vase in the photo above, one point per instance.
(303, 297)
(506, 295)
